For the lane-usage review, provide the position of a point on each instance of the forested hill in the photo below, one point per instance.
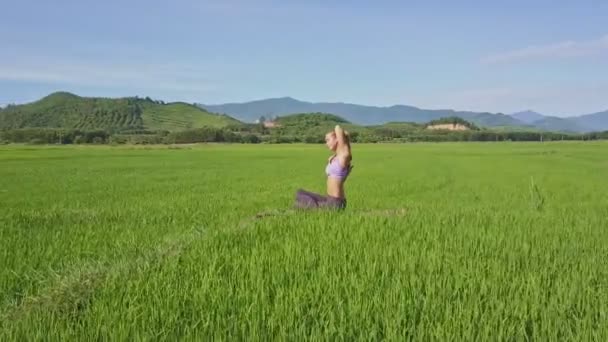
(66, 110)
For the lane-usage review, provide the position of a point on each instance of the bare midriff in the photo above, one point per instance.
(335, 187)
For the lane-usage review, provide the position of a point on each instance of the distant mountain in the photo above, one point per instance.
(358, 114)
(66, 110)
(593, 122)
(372, 115)
(581, 123)
(528, 116)
(552, 123)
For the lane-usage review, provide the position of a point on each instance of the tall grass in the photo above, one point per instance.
(495, 242)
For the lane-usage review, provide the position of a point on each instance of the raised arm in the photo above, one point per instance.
(343, 151)
(340, 136)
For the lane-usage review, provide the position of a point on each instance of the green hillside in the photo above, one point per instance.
(65, 110)
(178, 116)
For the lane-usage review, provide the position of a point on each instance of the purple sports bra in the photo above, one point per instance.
(333, 169)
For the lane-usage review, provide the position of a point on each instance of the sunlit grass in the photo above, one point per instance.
(493, 241)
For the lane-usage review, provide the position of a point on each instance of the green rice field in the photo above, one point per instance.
(449, 241)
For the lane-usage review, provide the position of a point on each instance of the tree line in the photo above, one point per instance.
(254, 134)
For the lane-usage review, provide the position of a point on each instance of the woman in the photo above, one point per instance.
(337, 170)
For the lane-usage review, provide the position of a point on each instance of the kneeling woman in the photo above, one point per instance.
(337, 170)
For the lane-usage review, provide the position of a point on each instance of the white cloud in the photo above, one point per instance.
(566, 49)
(140, 75)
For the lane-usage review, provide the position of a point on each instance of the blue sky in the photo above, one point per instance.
(469, 55)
